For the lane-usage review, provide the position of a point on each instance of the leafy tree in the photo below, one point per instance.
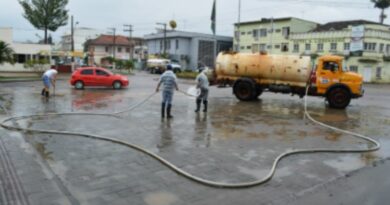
(6, 53)
(128, 65)
(45, 14)
(381, 4)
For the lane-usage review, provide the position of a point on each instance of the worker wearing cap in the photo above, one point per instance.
(202, 83)
(49, 77)
(168, 79)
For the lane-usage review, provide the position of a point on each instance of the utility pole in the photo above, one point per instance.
(72, 41)
(113, 45)
(165, 37)
(129, 28)
(238, 26)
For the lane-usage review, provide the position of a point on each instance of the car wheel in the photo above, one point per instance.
(117, 85)
(79, 85)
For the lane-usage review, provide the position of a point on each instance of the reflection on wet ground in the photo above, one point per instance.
(234, 142)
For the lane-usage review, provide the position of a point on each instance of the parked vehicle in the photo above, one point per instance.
(251, 74)
(159, 65)
(93, 76)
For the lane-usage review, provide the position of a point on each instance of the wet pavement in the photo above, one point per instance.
(234, 142)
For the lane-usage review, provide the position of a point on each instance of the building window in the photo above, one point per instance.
(249, 47)
(381, 47)
(369, 46)
(168, 44)
(263, 32)
(378, 73)
(286, 32)
(333, 46)
(320, 47)
(353, 68)
(277, 46)
(347, 46)
(263, 47)
(255, 33)
(269, 46)
(177, 44)
(242, 47)
(277, 30)
(307, 47)
(243, 33)
(296, 48)
(284, 47)
(119, 49)
(127, 50)
(249, 33)
(387, 49)
(106, 49)
(161, 45)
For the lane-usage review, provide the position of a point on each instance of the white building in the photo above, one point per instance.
(189, 49)
(80, 36)
(23, 52)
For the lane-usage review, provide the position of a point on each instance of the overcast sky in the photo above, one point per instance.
(190, 15)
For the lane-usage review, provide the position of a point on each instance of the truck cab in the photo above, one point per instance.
(339, 86)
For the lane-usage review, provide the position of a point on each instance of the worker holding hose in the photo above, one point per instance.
(48, 78)
(203, 85)
(168, 79)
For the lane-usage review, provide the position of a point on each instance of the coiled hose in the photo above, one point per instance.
(174, 168)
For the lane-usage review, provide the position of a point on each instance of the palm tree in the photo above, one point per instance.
(6, 53)
(381, 4)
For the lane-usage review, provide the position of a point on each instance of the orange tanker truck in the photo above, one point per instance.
(252, 74)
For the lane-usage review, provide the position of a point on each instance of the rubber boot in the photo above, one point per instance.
(198, 101)
(47, 94)
(43, 92)
(169, 111)
(205, 105)
(162, 110)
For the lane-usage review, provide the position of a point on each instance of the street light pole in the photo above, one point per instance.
(113, 46)
(72, 39)
(165, 37)
(238, 26)
(129, 28)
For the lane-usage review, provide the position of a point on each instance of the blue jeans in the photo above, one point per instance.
(167, 97)
(46, 81)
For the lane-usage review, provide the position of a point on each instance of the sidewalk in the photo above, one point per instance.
(25, 177)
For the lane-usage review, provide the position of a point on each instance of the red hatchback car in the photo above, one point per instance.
(93, 76)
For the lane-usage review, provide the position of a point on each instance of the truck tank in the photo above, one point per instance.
(263, 68)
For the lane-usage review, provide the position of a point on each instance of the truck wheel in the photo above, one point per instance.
(339, 98)
(245, 90)
(259, 91)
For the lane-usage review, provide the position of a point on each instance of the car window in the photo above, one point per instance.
(87, 72)
(101, 72)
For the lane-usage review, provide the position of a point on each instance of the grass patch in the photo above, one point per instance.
(10, 79)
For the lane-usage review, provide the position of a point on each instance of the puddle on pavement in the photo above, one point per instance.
(160, 198)
(255, 173)
(283, 172)
(346, 163)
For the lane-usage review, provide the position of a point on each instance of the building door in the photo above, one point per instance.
(367, 74)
